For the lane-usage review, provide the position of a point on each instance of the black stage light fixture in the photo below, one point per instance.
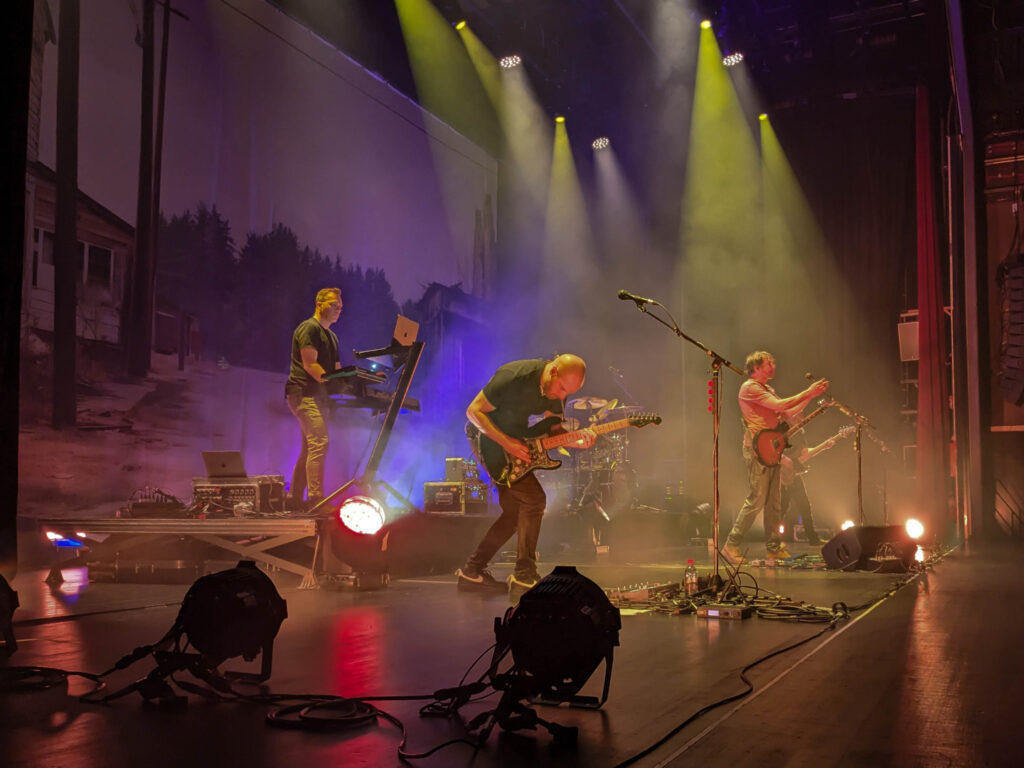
(879, 548)
(558, 634)
(8, 602)
(236, 612)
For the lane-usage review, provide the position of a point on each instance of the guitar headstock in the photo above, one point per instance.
(845, 432)
(643, 419)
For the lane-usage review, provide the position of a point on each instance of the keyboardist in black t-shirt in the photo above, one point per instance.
(314, 355)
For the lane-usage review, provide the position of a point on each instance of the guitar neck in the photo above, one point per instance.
(825, 445)
(568, 438)
(812, 415)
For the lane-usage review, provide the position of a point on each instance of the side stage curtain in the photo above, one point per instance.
(933, 390)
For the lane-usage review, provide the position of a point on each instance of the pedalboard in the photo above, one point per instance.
(644, 592)
(724, 611)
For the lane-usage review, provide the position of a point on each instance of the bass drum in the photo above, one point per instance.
(616, 486)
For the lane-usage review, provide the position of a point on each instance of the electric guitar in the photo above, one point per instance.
(789, 472)
(768, 444)
(506, 470)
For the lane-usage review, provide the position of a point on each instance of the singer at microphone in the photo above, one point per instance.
(625, 295)
(765, 416)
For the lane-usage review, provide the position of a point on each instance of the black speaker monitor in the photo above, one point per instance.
(870, 548)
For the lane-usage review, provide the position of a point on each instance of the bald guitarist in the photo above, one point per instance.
(500, 412)
(763, 411)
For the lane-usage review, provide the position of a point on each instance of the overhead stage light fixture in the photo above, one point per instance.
(706, 24)
(732, 59)
(510, 62)
(560, 119)
(762, 117)
(601, 143)
(460, 25)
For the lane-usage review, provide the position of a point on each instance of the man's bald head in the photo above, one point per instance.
(563, 376)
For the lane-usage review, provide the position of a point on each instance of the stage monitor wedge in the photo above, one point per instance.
(883, 548)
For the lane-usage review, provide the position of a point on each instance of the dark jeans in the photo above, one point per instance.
(309, 467)
(796, 506)
(765, 495)
(522, 510)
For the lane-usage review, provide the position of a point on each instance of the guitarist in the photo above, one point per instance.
(501, 412)
(795, 504)
(762, 408)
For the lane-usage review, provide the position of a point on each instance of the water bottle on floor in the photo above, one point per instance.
(690, 578)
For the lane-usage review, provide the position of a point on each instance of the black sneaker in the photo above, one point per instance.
(477, 580)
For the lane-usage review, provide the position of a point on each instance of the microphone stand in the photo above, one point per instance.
(717, 361)
(861, 422)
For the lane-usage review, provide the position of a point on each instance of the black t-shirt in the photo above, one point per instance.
(514, 391)
(311, 334)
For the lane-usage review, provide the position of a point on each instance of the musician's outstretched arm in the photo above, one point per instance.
(477, 415)
(795, 402)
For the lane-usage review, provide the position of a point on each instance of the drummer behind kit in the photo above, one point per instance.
(507, 470)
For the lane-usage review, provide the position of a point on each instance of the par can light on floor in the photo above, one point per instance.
(236, 612)
(361, 514)
(559, 633)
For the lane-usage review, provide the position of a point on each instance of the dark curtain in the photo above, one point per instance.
(933, 389)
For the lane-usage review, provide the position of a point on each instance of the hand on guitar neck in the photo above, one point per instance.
(584, 439)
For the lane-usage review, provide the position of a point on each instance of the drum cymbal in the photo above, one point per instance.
(587, 403)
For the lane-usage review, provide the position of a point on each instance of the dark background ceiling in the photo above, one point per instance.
(592, 59)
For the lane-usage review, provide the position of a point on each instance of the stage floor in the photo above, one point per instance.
(926, 677)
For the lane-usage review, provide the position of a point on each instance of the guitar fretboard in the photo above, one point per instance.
(812, 415)
(555, 441)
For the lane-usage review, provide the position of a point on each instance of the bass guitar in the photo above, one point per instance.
(789, 472)
(768, 444)
(506, 470)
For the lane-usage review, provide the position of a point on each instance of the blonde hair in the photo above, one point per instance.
(323, 296)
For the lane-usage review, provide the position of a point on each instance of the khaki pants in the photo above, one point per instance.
(309, 467)
(765, 494)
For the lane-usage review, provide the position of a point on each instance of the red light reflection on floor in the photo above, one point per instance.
(357, 651)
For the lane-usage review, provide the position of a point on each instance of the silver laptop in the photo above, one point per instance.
(224, 464)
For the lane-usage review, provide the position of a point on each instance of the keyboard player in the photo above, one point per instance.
(314, 355)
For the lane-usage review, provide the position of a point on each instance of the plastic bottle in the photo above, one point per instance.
(690, 578)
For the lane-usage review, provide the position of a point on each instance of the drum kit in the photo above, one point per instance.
(603, 470)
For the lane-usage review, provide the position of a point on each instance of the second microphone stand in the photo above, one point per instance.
(717, 361)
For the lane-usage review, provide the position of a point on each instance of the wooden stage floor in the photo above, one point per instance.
(929, 676)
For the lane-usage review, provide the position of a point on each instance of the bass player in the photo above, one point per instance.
(762, 409)
(500, 413)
